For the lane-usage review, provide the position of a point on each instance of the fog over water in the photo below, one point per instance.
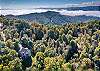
(62, 11)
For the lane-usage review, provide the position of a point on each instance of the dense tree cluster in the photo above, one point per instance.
(26, 46)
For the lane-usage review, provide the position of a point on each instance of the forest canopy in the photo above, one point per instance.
(26, 46)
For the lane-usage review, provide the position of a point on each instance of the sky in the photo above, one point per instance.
(19, 7)
(40, 3)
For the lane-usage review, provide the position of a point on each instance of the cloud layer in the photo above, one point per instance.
(63, 12)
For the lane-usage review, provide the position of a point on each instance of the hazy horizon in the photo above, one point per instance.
(20, 7)
(20, 4)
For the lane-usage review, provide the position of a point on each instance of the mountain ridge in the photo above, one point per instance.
(53, 17)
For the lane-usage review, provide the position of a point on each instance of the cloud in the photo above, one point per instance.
(83, 4)
(63, 12)
(80, 12)
(91, 3)
(21, 11)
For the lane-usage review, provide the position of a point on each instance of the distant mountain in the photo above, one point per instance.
(53, 18)
(86, 8)
(74, 8)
